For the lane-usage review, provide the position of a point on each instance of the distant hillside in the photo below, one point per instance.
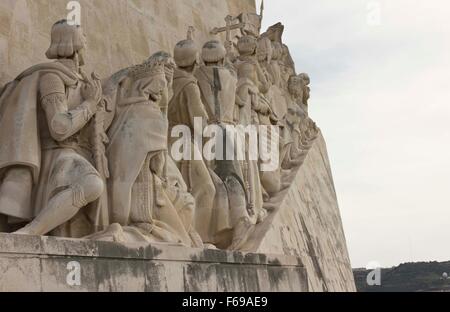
(408, 277)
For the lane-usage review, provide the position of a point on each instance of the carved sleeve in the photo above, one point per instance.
(241, 97)
(194, 103)
(62, 122)
(264, 84)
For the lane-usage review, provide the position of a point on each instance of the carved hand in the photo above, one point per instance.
(228, 46)
(264, 108)
(92, 90)
(157, 164)
(155, 97)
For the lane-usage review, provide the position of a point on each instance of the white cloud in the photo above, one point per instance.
(382, 98)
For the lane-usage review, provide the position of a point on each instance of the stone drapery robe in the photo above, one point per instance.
(185, 105)
(277, 92)
(220, 106)
(218, 88)
(144, 206)
(27, 141)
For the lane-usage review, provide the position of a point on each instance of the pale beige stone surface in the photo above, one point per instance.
(151, 25)
(31, 263)
(309, 226)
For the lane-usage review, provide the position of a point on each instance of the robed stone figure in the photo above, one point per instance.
(148, 199)
(52, 126)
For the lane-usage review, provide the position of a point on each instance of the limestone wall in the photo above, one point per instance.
(309, 225)
(31, 263)
(119, 32)
(125, 32)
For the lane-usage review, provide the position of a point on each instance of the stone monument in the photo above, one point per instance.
(136, 158)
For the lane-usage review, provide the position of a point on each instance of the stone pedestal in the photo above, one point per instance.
(29, 263)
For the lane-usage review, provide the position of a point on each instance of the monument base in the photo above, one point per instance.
(31, 263)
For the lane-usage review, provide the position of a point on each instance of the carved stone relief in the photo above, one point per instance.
(91, 158)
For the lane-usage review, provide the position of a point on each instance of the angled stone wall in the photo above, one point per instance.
(121, 33)
(35, 264)
(309, 226)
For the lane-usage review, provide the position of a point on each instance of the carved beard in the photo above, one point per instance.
(80, 55)
(295, 92)
(292, 119)
(169, 76)
(306, 96)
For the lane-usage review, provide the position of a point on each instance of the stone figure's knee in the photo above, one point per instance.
(16, 186)
(93, 187)
(210, 190)
(18, 175)
(272, 185)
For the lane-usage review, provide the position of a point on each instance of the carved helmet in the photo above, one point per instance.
(185, 53)
(213, 51)
(305, 78)
(66, 40)
(247, 45)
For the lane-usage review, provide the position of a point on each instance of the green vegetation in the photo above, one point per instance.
(408, 277)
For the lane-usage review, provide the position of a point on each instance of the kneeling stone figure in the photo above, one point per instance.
(51, 152)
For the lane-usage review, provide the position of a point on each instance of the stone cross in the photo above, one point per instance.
(190, 33)
(228, 28)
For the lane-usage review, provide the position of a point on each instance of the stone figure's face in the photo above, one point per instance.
(295, 86)
(188, 202)
(83, 49)
(169, 72)
(285, 52)
(292, 117)
(81, 57)
(306, 94)
(152, 87)
(157, 87)
(295, 116)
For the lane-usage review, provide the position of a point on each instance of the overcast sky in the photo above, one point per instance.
(381, 95)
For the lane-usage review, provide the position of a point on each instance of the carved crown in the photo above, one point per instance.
(146, 69)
